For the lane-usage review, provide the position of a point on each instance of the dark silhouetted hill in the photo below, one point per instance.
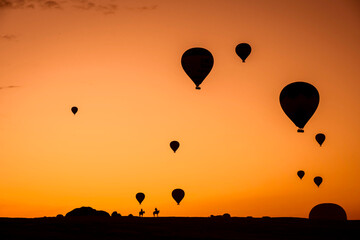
(86, 212)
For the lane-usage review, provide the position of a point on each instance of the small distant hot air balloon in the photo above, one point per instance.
(299, 101)
(74, 110)
(301, 174)
(174, 145)
(197, 64)
(320, 138)
(140, 197)
(178, 194)
(243, 50)
(318, 180)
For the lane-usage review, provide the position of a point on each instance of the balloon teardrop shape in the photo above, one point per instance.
(301, 174)
(243, 50)
(140, 197)
(197, 64)
(74, 110)
(299, 101)
(318, 180)
(320, 138)
(174, 145)
(178, 194)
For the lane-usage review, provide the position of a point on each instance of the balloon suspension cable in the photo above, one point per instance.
(243, 61)
(198, 88)
(300, 130)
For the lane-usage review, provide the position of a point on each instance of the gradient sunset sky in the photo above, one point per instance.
(119, 62)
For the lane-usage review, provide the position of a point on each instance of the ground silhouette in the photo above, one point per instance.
(175, 228)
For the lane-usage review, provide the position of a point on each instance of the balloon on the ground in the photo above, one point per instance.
(243, 50)
(301, 174)
(140, 197)
(320, 138)
(299, 101)
(327, 211)
(318, 180)
(178, 194)
(174, 145)
(197, 64)
(74, 110)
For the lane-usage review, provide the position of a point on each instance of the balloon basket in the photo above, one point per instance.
(198, 88)
(300, 130)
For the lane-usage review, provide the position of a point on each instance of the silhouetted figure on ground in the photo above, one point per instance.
(156, 212)
(141, 213)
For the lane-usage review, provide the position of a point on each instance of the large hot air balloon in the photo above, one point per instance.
(299, 100)
(243, 50)
(174, 145)
(197, 64)
(140, 197)
(74, 110)
(178, 194)
(320, 138)
(318, 180)
(301, 174)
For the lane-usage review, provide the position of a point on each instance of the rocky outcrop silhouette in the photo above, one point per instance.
(86, 212)
(115, 214)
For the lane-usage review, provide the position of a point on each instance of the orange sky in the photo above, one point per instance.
(119, 62)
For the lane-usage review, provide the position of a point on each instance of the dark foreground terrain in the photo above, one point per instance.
(176, 228)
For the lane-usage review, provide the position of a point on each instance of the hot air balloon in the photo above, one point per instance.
(243, 50)
(197, 64)
(178, 194)
(320, 138)
(74, 110)
(301, 174)
(299, 101)
(174, 145)
(318, 180)
(140, 197)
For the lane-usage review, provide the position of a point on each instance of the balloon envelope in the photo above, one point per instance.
(243, 50)
(299, 101)
(140, 197)
(318, 181)
(197, 64)
(174, 145)
(301, 174)
(320, 138)
(327, 211)
(74, 110)
(178, 194)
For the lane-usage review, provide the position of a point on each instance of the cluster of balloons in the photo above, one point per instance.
(317, 180)
(198, 62)
(177, 194)
(299, 100)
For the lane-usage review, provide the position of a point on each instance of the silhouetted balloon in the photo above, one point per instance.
(299, 100)
(174, 145)
(301, 174)
(318, 181)
(197, 64)
(327, 211)
(178, 194)
(243, 50)
(74, 110)
(140, 197)
(320, 138)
